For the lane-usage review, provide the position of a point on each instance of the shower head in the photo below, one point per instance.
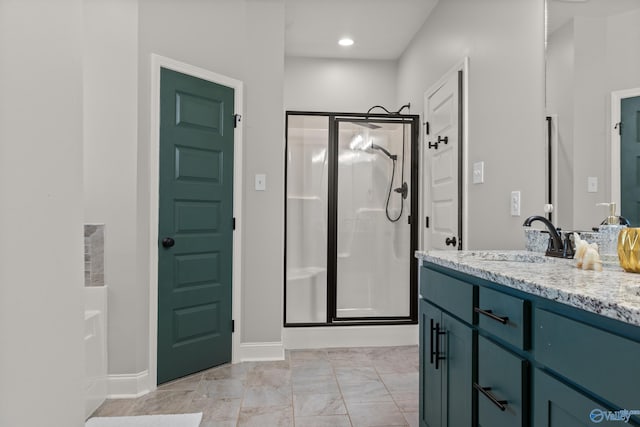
(384, 150)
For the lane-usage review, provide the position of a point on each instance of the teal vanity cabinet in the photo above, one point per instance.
(495, 356)
(446, 343)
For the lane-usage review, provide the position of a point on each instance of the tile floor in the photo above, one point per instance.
(372, 386)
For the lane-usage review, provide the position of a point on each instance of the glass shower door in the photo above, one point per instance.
(373, 238)
(306, 219)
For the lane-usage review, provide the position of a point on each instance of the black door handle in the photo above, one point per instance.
(167, 242)
(451, 241)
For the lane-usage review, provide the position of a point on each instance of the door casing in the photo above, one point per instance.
(158, 62)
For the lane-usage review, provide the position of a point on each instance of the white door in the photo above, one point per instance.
(441, 167)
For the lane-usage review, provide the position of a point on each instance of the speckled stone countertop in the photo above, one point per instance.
(611, 293)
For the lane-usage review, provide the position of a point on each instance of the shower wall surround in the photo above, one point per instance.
(94, 254)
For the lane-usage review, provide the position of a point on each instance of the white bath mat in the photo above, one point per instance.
(174, 420)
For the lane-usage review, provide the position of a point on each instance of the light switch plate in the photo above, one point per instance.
(515, 203)
(478, 173)
(592, 184)
(261, 182)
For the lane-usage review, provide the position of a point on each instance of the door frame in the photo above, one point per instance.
(158, 62)
(616, 112)
(463, 136)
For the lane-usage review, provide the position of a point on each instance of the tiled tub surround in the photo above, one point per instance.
(374, 386)
(94, 255)
(611, 293)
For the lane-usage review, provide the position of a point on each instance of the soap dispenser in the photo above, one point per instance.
(609, 230)
(611, 219)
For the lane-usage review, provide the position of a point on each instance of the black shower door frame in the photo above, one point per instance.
(332, 218)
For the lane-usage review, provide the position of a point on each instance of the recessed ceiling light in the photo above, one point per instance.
(346, 41)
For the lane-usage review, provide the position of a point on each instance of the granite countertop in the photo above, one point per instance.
(612, 292)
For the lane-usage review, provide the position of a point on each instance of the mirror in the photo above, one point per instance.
(593, 64)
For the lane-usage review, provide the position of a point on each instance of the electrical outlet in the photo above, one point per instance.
(515, 203)
(592, 184)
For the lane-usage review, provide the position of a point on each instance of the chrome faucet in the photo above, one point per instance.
(556, 247)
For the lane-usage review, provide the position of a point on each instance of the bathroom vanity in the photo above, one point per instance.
(517, 339)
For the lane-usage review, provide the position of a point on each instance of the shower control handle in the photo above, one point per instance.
(451, 241)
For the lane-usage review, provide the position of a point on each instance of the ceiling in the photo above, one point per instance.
(381, 29)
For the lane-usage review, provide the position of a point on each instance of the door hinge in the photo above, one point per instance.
(233, 326)
(426, 222)
(409, 219)
(233, 223)
(426, 128)
(237, 118)
(619, 127)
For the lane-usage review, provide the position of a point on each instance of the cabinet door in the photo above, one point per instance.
(430, 377)
(502, 386)
(558, 405)
(458, 372)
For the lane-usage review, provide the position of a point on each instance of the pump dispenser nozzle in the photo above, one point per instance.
(612, 219)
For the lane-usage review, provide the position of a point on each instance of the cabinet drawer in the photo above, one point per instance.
(505, 316)
(502, 387)
(453, 295)
(604, 363)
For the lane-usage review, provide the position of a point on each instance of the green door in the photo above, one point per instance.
(458, 369)
(630, 160)
(195, 225)
(431, 397)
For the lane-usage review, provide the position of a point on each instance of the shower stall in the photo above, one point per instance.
(351, 219)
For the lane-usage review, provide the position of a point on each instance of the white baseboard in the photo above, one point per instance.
(261, 351)
(124, 386)
(350, 336)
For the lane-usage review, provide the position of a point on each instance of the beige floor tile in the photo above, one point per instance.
(323, 421)
(256, 397)
(115, 408)
(226, 372)
(217, 409)
(408, 405)
(164, 402)
(318, 404)
(319, 385)
(413, 419)
(266, 417)
(220, 389)
(355, 374)
(375, 414)
(365, 391)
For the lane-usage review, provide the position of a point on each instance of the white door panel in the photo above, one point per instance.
(441, 179)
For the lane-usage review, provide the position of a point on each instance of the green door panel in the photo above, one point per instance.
(458, 365)
(630, 160)
(558, 405)
(195, 210)
(431, 401)
(503, 375)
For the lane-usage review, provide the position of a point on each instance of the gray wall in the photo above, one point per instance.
(41, 250)
(110, 88)
(248, 45)
(339, 85)
(504, 41)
